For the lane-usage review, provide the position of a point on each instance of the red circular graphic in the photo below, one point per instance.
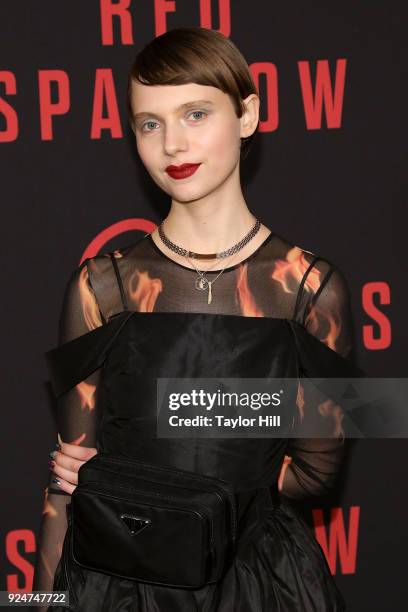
(127, 225)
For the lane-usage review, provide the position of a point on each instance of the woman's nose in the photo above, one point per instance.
(175, 139)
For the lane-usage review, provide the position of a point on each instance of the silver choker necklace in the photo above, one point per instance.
(231, 251)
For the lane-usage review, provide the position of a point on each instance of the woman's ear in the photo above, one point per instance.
(250, 117)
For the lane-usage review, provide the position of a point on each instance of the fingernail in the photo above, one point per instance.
(58, 482)
(52, 454)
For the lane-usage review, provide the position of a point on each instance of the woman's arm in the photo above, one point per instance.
(313, 463)
(76, 424)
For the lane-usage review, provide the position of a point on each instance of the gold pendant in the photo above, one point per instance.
(201, 283)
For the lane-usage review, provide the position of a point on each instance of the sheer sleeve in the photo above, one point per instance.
(316, 461)
(76, 423)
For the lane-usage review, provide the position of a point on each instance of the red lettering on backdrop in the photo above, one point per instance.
(270, 124)
(105, 92)
(161, 7)
(127, 225)
(224, 15)
(49, 109)
(323, 92)
(120, 10)
(13, 539)
(345, 546)
(383, 341)
(11, 132)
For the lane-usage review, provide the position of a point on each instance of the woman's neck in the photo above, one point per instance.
(206, 228)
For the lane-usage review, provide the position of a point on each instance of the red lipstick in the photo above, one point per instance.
(180, 172)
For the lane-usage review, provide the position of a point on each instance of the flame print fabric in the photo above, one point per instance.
(280, 566)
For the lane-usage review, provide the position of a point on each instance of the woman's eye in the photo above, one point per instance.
(155, 123)
(198, 112)
(148, 123)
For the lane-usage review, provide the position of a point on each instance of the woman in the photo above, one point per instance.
(265, 308)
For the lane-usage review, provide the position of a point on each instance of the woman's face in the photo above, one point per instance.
(205, 130)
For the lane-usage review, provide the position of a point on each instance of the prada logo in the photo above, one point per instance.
(135, 524)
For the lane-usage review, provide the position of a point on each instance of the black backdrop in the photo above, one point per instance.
(326, 177)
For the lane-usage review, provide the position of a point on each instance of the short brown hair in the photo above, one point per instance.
(194, 55)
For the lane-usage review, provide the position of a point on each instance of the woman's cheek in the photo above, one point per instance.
(143, 152)
(147, 158)
(221, 145)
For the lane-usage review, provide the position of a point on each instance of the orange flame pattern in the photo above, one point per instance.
(89, 305)
(246, 300)
(86, 392)
(146, 292)
(317, 319)
(289, 272)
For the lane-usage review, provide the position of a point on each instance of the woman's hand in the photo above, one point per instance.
(66, 463)
(285, 464)
(70, 457)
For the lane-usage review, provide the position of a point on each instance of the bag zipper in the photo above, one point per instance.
(104, 469)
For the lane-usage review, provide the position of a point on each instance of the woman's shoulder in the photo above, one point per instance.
(130, 250)
(299, 259)
(108, 263)
(101, 278)
(309, 274)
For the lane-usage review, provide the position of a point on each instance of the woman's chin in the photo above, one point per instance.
(187, 193)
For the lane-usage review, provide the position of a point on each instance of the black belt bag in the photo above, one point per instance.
(151, 523)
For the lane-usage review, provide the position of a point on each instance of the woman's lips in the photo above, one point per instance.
(180, 172)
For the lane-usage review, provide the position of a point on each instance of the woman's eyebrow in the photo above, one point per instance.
(183, 106)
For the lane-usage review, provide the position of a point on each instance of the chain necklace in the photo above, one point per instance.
(202, 283)
(231, 251)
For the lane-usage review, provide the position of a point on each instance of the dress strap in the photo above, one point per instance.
(322, 285)
(302, 282)
(119, 279)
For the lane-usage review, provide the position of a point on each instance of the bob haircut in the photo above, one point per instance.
(194, 55)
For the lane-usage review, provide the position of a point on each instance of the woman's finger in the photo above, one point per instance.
(62, 484)
(66, 462)
(83, 453)
(70, 476)
(70, 459)
(66, 466)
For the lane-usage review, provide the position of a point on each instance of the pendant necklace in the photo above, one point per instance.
(202, 283)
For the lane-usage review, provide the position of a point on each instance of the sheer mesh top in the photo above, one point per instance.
(279, 280)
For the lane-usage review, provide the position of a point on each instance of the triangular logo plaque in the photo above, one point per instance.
(135, 524)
